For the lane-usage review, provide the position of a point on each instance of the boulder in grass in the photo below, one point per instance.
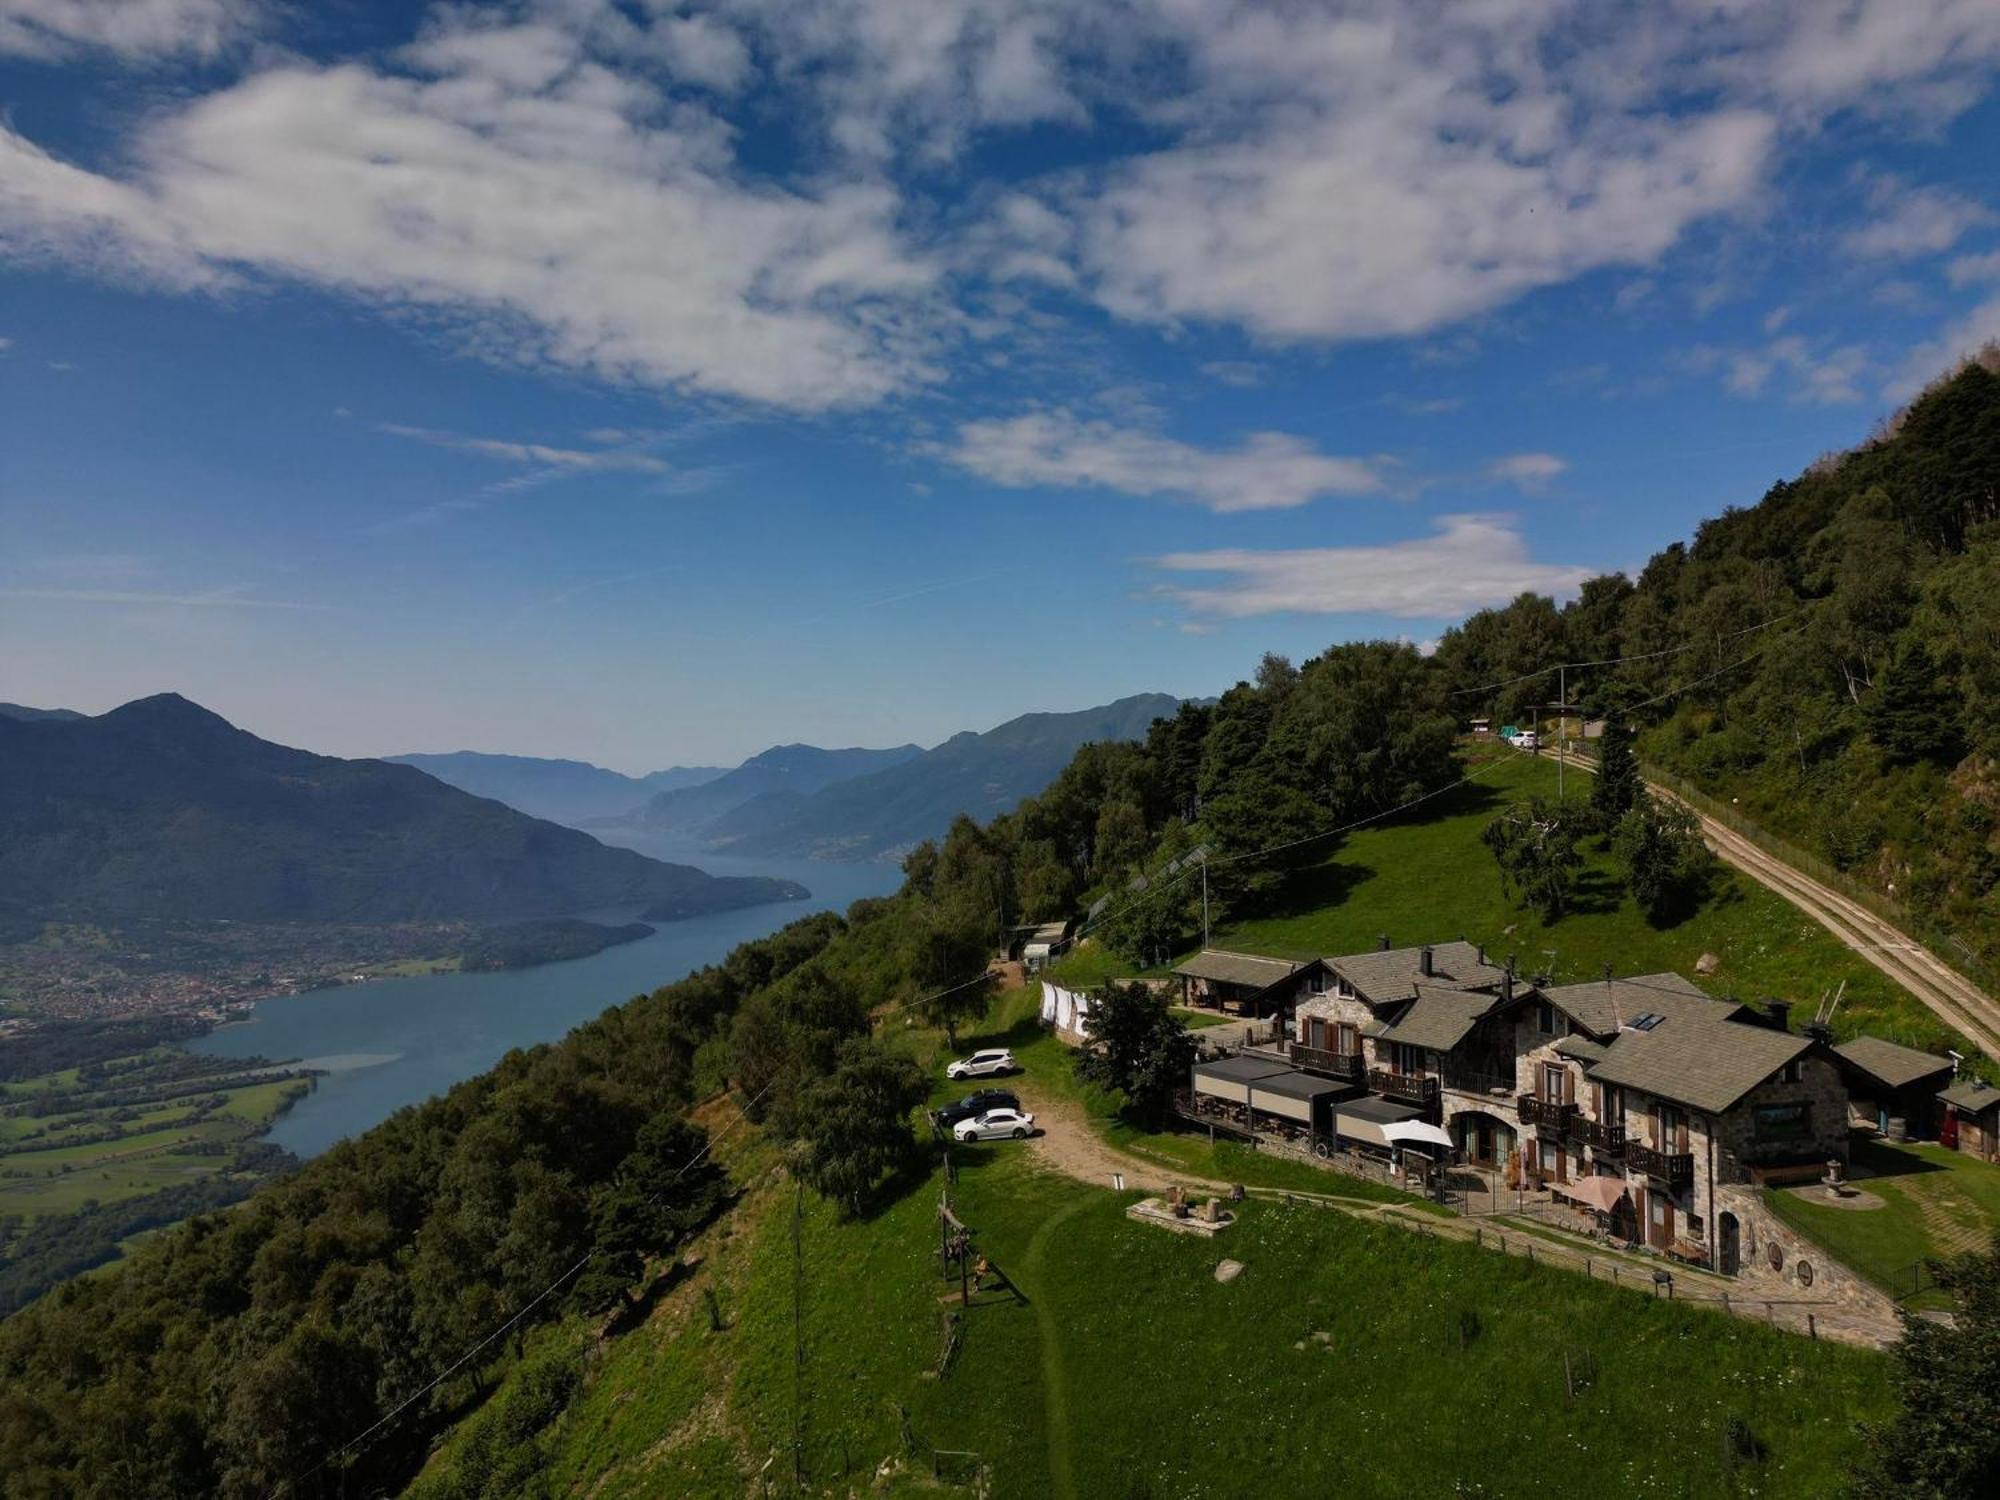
(1708, 963)
(1227, 1271)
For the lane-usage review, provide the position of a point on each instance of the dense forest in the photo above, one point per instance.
(1828, 656)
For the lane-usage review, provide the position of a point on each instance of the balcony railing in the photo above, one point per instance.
(1410, 1088)
(1668, 1166)
(1347, 1065)
(1535, 1110)
(1472, 1081)
(1606, 1139)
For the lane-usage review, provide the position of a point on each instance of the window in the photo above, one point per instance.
(1781, 1124)
(1793, 1071)
(1545, 1017)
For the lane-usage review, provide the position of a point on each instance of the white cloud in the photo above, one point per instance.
(1237, 372)
(1471, 563)
(1816, 372)
(1975, 331)
(541, 198)
(1529, 471)
(1906, 221)
(1267, 471)
(232, 597)
(131, 28)
(1969, 270)
(573, 460)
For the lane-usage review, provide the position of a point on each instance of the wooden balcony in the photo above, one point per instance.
(1405, 1088)
(1535, 1110)
(1343, 1065)
(1672, 1167)
(1605, 1139)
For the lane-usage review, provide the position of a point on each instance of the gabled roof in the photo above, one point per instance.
(1704, 1060)
(1602, 1006)
(1394, 973)
(1972, 1094)
(1439, 1019)
(1889, 1065)
(1249, 969)
(1582, 1048)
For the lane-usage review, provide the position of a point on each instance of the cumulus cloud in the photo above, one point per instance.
(1529, 471)
(550, 203)
(1471, 563)
(1266, 471)
(132, 29)
(1907, 221)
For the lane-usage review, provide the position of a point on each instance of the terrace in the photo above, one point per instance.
(1535, 1110)
(1406, 1088)
(1675, 1167)
(1343, 1065)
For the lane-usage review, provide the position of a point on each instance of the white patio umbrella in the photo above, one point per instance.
(1416, 1133)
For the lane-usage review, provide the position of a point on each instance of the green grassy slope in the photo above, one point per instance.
(1428, 878)
(1348, 1352)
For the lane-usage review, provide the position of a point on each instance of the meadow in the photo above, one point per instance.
(1428, 877)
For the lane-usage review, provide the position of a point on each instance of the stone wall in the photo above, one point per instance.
(1802, 1271)
(1819, 1086)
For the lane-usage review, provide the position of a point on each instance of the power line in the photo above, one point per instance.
(1613, 661)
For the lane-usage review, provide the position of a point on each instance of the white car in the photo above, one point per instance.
(1527, 739)
(983, 1064)
(996, 1125)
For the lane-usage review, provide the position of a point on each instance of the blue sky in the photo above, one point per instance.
(650, 382)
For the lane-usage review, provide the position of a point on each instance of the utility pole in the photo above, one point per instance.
(1562, 723)
(1204, 900)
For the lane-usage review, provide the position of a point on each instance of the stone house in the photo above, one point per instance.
(1249, 984)
(1972, 1118)
(1893, 1089)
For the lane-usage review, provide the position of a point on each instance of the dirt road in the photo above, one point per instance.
(1955, 999)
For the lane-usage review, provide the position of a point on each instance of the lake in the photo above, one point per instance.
(392, 1042)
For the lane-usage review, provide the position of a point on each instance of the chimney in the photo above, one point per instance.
(1383, 940)
(1425, 964)
(1820, 1032)
(1507, 985)
(1481, 951)
(1779, 1014)
(1607, 972)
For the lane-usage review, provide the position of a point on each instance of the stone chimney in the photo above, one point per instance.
(1481, 952)
(1507, 985)
(1426, 962)
(1779, 1014)
(1382, 940)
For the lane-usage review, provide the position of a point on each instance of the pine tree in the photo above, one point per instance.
(1914, 716)
(1617, 788)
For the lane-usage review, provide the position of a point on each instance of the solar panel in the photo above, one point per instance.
(1646, 1022)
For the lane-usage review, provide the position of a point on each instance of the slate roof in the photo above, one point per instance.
(1705, 1061)
(1394, 973)
(1238, 968)
(1970, 1093)
(1890, 1065)
(1601, 1008)
(1582, 1048)
(1439, 1019)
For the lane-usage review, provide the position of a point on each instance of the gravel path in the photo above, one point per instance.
(1954, 998)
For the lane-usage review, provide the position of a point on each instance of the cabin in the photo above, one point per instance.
(1971, 1118)
(1893, 1089)
(1044, 944)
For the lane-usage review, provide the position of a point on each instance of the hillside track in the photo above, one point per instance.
(1952, 997)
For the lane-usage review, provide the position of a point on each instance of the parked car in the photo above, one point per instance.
(974, 1105)
(996, 1125)
(983, 1064)
(1527, 739)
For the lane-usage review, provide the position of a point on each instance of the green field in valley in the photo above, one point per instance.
(1430, 878)
(1347, 1353)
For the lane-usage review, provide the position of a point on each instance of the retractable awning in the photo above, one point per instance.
(1229, 1077)
(1363, 1119)
(1293, 1095)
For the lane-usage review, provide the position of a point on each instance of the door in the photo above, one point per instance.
(1555, 1079)
(1732, 1244)
(1346, 1040)
(1659, 1220)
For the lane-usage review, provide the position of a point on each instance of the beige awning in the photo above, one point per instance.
(1601, 1193)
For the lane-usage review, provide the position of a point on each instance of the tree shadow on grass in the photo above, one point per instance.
(1023, 1031)
(1595, 893)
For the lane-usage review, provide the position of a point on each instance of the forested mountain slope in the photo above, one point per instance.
(784, 771)
(161, 810)
(1832, 655)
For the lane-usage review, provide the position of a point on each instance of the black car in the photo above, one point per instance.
(973, 1105)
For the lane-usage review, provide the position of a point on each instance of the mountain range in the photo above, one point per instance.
(883, 813)
(563, 791)
(784, 774)
(163, 810)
